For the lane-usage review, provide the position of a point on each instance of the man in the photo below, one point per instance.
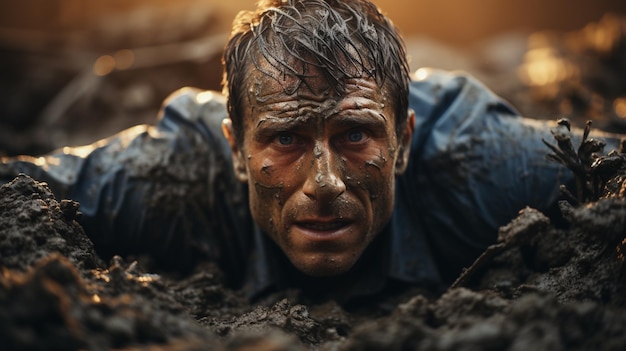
(327, 169)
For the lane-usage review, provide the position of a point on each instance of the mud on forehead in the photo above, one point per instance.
(267, 82)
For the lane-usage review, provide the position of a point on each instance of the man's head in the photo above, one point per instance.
(319, 125)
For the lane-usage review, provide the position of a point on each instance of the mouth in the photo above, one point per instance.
(323, 229)
(322, 226)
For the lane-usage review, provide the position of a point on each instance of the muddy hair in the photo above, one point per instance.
(344, 38)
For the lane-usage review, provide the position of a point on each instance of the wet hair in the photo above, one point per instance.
(343, 38)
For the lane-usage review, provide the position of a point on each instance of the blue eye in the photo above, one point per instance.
(285, 139)
(355, 136)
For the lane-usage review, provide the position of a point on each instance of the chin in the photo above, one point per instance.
(324, 265)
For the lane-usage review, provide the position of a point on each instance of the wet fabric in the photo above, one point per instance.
(169, 190)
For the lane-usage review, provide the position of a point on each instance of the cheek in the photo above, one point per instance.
(266, 184)
(371, 174)
(271, 184)
(371, 170)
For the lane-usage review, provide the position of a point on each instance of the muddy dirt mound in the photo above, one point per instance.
(468, 320)
(33, 225)
(584, 263)
(52, 308)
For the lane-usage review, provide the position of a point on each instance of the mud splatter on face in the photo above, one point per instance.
(322, 176)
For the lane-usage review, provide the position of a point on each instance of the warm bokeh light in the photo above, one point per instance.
(543, 65)
(124, 59)
(620, 107)
(104, 65)
(604, 35)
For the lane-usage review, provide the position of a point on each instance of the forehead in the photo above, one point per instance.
(268, 86)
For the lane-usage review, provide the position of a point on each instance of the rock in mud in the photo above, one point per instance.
(34, 224)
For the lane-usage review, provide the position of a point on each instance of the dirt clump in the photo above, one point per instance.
(34, 224)
(463, 319)
(52, 308)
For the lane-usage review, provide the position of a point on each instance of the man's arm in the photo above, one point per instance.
(167, 190)
(475, 163)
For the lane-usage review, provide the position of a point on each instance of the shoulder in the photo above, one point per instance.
(433, 91)
(451, 107)
(194, 106)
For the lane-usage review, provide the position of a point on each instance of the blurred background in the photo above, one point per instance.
(74, 71)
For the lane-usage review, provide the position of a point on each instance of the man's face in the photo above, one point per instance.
(320, 167)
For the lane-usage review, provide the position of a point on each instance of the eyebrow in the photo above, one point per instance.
(361, 105)
(353, 116)
(282, 123)
(361, 117)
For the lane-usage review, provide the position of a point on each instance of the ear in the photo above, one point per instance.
(239, 164)
(404, 147)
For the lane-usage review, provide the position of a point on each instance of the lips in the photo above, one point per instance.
(323, 229)
(323, 226)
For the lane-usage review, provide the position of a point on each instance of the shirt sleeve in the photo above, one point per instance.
(475, 163)
(167, 190)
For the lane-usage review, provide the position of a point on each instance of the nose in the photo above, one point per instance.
(324, 182)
